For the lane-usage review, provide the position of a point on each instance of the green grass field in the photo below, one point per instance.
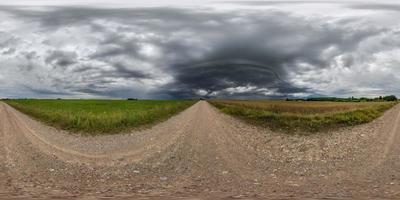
(92, 117)
(303, 117)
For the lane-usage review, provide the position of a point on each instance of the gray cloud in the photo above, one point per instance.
(261, 3)
(376, 6)
(123, 71)
(61, 58)
(46, 91)
(185, 53)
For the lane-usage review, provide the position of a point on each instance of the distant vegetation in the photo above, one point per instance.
(303, 117)
(349, 99)
(99, 116)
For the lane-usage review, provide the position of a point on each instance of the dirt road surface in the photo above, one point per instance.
(199, 154)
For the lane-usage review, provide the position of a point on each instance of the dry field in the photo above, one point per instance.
(303, 116)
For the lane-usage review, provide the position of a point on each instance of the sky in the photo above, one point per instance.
(189, 49)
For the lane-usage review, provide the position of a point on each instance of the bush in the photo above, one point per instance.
(390, 98)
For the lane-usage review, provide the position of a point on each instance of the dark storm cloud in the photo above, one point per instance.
(219, 76)
(208, 53)
(261, 55)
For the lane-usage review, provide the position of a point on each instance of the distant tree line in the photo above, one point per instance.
(349, 99)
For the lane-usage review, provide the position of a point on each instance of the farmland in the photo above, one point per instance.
(303, 117)
(92, 117)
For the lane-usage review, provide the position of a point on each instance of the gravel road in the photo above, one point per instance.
(199, 154)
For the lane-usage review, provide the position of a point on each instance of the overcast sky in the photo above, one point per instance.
(183, 49)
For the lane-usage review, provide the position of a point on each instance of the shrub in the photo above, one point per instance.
(390, 98)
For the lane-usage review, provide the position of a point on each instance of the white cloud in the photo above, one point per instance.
(374, 70)
(201, 92)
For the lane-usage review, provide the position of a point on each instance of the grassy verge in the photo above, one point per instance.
(91, 117)
(303, 117)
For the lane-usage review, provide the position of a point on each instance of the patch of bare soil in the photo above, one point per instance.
(199, 154)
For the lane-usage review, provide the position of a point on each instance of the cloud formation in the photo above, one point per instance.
(171, 52)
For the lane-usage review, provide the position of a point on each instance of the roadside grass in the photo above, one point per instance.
(303, 117)
(94, 117)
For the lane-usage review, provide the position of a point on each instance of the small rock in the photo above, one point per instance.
(225, 172)
(237, 196)
(52, 170)
(136, 171)
(163, 178)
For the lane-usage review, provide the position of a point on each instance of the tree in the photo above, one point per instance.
(390, 98)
